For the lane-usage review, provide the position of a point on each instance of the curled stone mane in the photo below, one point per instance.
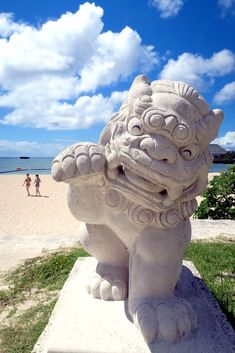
(160, 86)
(183, 90)
(140, 99)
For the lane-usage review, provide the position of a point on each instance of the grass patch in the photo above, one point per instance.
(216, 264)
(49, 272)
(32, 292)
(21, 337)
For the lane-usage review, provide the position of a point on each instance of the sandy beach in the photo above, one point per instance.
(29, 215)
(29, 224)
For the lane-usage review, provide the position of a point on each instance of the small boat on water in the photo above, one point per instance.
(24, 157)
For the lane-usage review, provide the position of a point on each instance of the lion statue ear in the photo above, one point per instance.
(218, 117)
(105, 136)
(139, 87)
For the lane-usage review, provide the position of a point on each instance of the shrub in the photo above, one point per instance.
(219, 197)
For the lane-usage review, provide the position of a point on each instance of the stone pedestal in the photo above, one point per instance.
(82, 324)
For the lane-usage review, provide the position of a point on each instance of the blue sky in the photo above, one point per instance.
(65, 66)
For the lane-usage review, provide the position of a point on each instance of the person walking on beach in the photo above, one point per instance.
(27, 183)
(37, 182)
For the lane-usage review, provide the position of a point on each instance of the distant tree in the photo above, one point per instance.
(228, 158)
(219, 197)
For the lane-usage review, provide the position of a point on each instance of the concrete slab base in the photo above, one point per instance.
(81, 324)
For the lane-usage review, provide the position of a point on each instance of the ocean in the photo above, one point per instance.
(33, 165)
(42, 165)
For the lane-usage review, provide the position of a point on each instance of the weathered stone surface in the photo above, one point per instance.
(135, 192)
(82, 324)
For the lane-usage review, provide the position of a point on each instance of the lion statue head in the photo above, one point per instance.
(157, 144)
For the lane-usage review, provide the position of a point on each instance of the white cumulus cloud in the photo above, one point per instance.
(226, 94)
(227, 141)
(8, 26)
(55, 115)
(49, 74)
(167, 8)
(198, 71)
(19, 148)
(227, 7)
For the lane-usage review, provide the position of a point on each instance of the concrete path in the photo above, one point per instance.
(14, 249)
(203, 229)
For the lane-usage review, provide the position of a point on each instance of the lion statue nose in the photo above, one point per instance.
(159, 149)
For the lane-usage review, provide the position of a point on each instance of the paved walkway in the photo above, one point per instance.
(14, 249)
(208, 229)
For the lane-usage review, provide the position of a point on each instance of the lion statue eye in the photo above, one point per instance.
(189, 152)
(152, 120)
(183, 134)
(135, 127)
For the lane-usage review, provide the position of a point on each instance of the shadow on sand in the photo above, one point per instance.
(39, 196)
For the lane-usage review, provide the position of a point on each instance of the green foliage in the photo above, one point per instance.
(228, 158)
(3, 295)
(219, 197)
(216, 264)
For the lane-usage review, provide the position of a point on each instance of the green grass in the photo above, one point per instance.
(21, 336)
(216, 264)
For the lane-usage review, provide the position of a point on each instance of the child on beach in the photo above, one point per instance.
(37, 182)
(27, 183)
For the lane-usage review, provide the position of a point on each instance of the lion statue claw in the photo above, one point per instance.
(134, 193)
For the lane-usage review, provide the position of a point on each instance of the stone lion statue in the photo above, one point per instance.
(134, 192)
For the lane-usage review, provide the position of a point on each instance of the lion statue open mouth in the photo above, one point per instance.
(134, 193)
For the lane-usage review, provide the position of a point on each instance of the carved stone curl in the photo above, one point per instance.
(135, 192)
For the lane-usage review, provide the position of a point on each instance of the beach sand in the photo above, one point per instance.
(29, 224)
(30, 215)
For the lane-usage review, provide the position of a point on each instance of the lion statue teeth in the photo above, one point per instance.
(134, 193)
